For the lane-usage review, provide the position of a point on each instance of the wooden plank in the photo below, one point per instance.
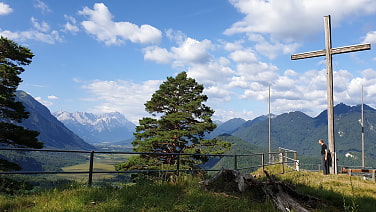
(339, 50)
(308, 55)
(353, 48)
(359, 170)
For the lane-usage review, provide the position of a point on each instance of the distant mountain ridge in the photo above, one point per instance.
(300, 132)
(52, 132)
(96, 128)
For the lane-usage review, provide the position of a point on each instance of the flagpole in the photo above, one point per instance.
(270, 143)
(363, 164)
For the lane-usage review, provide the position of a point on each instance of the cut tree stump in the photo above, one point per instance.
(230, 181)
(284, 197)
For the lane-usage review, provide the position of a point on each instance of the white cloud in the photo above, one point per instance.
(157, 54)
(225, 115)
(101, 25)
(5, 9)
(187, 53)
(291, 19)
(272, 50)
(41, 32)
(70, 25)
(43, 102)
(42, 6)
(370, 37)
(52, 97)
(122, 96)
(213, 73)
(43, 27)
(278, 26)
(218, 94)
(243, 56)
(192, 51)
(233, 46)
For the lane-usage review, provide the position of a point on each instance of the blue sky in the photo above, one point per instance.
(106, 56)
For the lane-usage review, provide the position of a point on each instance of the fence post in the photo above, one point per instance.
(295, 164)
(263, 161)
(91, 167)
(236, 162)
(178, 165)
(373, 175)
(283, 163)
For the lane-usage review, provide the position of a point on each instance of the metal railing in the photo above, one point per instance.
(283, 159)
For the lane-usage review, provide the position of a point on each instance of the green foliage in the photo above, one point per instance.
(10, 186)
(183, 120)
(12, 59)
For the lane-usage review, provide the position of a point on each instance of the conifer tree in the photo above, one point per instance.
(13, 58)
(178, 124)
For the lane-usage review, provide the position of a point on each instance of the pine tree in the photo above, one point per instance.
(178, 124)
(13, 58)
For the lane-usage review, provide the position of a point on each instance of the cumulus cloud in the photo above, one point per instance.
(187, 53)
(243, 56)
(158, 54)
(277, 26)
(291, 19)
(122, 96)
(100, 24)
(40, 32)
(5, 9)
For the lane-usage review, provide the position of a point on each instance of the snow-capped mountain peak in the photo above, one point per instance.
(98, 127)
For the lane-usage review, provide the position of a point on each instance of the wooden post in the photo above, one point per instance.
(362, 123)
(329, 73)
(269, 133)
(283, 163)
(91, 167)
(235, 162)
(178, 165)
(328, 52)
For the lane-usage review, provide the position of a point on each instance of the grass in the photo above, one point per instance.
(339, 193)
(348, 193)
(183, 195)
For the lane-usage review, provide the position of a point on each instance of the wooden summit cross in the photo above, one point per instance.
(328, 52)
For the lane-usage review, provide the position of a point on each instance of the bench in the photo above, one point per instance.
(350, 171)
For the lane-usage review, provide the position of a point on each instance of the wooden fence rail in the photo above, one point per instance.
(283, 159)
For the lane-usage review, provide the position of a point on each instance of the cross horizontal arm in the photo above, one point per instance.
(338, 50)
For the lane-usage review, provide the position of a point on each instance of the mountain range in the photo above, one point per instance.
(292, 130)
(53, 133)
(300, 132)
(98, 128)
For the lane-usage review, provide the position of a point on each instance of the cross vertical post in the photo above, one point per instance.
(328, 52)
(329, 73)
